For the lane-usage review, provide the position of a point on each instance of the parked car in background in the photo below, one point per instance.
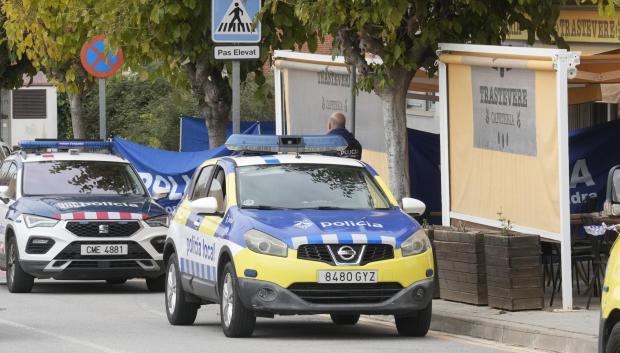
(72, 210)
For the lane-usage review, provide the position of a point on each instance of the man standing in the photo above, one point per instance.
(336, 126)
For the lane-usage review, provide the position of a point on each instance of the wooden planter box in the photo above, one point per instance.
(461, 266)
(514, 271)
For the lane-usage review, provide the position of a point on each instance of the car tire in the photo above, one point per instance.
(178, 310)
(116, 281)
(157, 284)
(17, 280)
(340, 319)
(415, 325)
(613, 341)
(236, 320)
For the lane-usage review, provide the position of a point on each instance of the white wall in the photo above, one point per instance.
(29, 129)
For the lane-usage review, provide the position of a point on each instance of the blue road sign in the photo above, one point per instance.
(232, 21)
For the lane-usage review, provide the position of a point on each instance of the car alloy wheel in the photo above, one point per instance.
(12, 262)
(171, 288)
(228, 299)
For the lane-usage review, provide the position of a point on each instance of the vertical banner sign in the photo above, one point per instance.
(504, 109)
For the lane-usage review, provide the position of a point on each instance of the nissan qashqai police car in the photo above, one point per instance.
(72, 214)
(295, 233)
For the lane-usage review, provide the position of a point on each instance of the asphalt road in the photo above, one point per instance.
(96, 317)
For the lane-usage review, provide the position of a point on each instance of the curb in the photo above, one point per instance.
(510, 333)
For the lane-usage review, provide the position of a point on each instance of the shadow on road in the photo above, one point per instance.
(88, 287)
(313, 328)
(326, 330)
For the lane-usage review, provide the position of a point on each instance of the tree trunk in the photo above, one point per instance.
(394, 109)
(214, 96)
(77, 124)
(216, 125)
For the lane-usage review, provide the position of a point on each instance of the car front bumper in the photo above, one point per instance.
(268, 297)
(94, 269)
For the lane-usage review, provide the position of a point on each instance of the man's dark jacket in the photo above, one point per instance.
(354, 148)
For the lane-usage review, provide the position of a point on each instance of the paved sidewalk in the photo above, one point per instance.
(548, 330)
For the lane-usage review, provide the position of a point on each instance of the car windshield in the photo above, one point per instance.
(80, 178)
(305, 186)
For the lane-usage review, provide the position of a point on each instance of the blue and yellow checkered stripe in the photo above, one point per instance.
(199, 270)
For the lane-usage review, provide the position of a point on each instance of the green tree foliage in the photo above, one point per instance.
(146, 112)
(405, 34)
(12, 68)
(257, 101)
(50, 33)
(173, 38)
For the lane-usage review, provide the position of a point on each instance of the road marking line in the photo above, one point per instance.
(60, 337)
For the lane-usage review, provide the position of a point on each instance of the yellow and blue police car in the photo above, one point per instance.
(609, 328)
(278, 230)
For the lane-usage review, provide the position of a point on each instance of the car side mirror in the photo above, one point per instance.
(160, 195)
(205, 205)
(4, 193)
(413, 206)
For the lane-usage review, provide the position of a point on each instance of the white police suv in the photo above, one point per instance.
(296, 233)
(72, 210)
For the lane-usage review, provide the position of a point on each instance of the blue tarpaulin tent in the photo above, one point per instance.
(167, 171)
(195, 136)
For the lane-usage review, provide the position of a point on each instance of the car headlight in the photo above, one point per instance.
(159, 221)
(262, 243)
(416, 244)
(38, 221)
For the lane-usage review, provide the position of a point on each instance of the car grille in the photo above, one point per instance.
(104, 265)
(319, 252)
(72, 251)
(314, 252)
(341, 293)
(114, 229)
(378, 252)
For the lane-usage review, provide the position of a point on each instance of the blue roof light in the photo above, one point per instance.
(283, 144)
(64, 145)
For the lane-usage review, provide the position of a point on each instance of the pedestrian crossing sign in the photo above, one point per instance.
(232, 21)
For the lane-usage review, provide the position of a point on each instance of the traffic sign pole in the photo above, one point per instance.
(98, 64)
(232, 24)
(236, 104)
(102, 106)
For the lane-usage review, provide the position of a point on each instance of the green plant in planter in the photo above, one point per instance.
(505, 224)
(460, 227)
(425, 224)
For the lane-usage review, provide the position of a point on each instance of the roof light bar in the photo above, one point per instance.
(29, 145)
(283, 144)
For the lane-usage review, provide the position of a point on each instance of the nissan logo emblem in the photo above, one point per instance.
(346, 253)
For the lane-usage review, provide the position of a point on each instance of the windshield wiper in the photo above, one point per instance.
(325, 208)
(264, 207)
